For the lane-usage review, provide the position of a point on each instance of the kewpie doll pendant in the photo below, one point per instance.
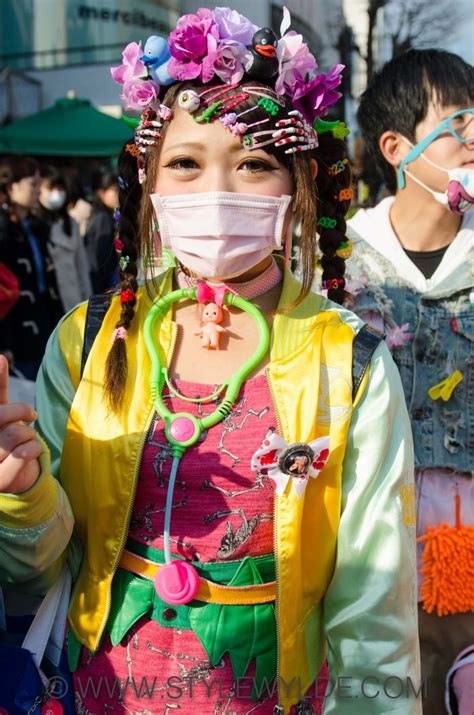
(210, 330)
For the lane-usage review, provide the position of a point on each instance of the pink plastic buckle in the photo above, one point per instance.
(177, 582)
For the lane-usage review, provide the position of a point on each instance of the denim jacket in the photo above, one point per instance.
(438, 320)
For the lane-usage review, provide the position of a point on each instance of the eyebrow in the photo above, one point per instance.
(199, 147)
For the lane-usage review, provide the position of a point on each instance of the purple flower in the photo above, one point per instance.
(233, 26)
(230, 60)
(132, 66)
(296, 62)
(193, 46)
(139, 94)
(314, 97)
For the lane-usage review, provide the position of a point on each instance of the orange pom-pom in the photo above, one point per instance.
(448, 569)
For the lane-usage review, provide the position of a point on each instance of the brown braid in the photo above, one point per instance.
(130, 193)
(329, 186)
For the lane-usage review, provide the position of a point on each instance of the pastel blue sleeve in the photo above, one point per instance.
(370, 609)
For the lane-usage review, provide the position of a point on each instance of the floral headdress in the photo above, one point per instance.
(223, 44)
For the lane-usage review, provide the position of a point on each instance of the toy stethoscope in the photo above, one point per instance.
(177, 581)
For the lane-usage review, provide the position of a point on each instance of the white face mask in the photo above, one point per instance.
(459, 195)
(220, 235)
(54, 199)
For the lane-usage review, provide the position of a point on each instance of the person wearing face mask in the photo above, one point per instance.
(23, 249)
(65, 244)
(412, 275)
(243, 498)
(99, 237)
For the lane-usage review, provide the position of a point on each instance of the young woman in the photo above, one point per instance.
(23, 249)
(99, 238)
(66, 246)
(242, 509)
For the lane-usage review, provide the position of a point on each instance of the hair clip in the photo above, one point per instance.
(337, 128)
(127, 296)
(148, 132)
(344, 250)
(117, 215)
(189, 100)
(326, 222)
(295, 130)
(123, 184)
(118, 244)
(333, 283)
(345, 195)
(133, 150)
(337, 167)
(124, 262)
(141, 175)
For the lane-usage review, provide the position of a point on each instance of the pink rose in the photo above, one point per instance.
(139, 94)
(193, 46)
(132, 66)
(230, 60)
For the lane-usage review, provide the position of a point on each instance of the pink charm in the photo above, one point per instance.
(182, 429)
(177, 582)
(296, 462)
(210, 330)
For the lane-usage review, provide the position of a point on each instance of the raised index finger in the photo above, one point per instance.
(3, 380)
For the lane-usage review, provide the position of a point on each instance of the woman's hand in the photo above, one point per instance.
(19, 449)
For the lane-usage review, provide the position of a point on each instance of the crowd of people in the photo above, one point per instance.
(58, 246)
(296, 508)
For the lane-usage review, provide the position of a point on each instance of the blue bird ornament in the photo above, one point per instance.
(155, 56)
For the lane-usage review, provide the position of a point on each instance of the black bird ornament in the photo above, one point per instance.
(263, 63)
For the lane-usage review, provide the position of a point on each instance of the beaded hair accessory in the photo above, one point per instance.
(148, 132)
(211, 104)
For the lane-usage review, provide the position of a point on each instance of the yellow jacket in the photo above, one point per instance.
(339, 550)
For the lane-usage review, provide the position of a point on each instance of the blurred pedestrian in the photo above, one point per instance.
(78, 207)
(65, 245)
(412, 276)
(100, 233)
(23, 249)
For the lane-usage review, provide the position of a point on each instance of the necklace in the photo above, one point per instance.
(177, 582)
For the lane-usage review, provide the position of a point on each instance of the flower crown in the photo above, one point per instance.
(223, 44)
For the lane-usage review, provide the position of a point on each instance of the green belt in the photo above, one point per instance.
(245, 632)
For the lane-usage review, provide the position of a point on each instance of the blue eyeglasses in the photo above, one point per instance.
(460, 125)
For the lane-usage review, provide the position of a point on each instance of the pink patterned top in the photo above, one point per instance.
(222, 511)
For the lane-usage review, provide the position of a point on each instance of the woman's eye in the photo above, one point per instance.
(256, 165)
(182, 164)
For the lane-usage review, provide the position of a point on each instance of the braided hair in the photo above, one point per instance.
(127, 242)
(333, 202)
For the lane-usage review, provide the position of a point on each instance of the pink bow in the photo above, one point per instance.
(208, 294)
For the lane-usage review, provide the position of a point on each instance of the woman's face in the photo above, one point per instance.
(197, 158)
(109, 197)
(25, 193)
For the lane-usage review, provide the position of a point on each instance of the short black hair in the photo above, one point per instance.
(399, 95)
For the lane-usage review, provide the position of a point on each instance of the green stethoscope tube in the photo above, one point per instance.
(159, 377)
